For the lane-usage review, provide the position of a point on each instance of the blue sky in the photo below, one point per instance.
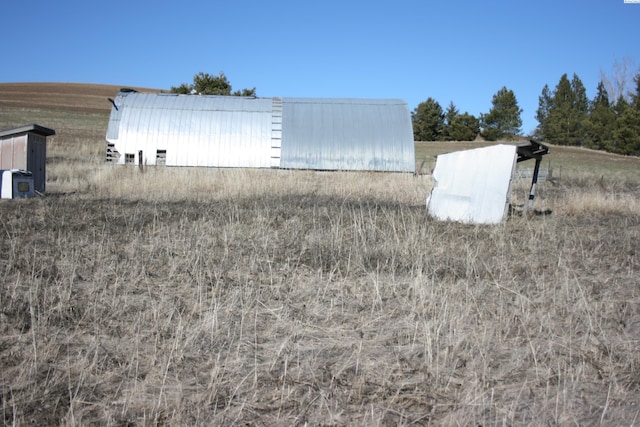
(461, 51)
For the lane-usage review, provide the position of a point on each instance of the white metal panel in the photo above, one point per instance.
(205, 148)
(6, 192)
(473, 186)
(194, 130)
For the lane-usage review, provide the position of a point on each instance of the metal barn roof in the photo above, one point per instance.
(229, 131)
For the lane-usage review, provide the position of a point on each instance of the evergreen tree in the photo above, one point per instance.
(559, 124)
(428, 121)
(567, 113)
(582, 102)
(581, 111)
(567, 117)
(207, 84)
(635, 98)
(621, 106)
(503, 120)
(183, 89)
(627, 132)
(449, 117)
(542, 114)
(601, 122)
(464, 127)
(245, 92)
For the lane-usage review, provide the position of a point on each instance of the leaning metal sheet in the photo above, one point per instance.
(473, 186)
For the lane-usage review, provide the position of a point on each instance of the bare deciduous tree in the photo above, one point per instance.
(620, 82)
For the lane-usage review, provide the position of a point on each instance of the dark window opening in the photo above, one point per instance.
(161, 157)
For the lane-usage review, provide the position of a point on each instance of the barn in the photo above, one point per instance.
(232, 131)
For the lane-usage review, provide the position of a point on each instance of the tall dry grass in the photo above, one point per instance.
(185, 296)
(199, 297)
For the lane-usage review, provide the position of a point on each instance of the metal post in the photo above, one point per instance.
(534, 181)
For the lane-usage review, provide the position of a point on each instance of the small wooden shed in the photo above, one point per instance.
(25, 148)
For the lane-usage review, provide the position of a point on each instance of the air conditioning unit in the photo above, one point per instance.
(16, 184)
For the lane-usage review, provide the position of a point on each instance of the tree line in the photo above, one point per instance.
(565, 115)
(503, 121)
(208, 84)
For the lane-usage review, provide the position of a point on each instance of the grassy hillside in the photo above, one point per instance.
(184, 296)
(79, 113)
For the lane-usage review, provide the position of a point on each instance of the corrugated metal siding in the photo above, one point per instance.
(296, 133)
(347, 134)
(194, 130)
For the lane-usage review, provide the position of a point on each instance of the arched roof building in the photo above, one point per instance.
(231, 131)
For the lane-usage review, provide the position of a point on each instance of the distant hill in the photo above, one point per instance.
(71, 96)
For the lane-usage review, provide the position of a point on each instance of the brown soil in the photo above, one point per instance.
(71, 96)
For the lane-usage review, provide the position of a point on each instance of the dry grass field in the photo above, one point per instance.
(180, 296)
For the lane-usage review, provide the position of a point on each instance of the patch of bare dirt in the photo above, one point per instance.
(68, 96)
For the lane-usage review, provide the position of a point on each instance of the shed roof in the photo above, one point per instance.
(33, 128)
(531, 149)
